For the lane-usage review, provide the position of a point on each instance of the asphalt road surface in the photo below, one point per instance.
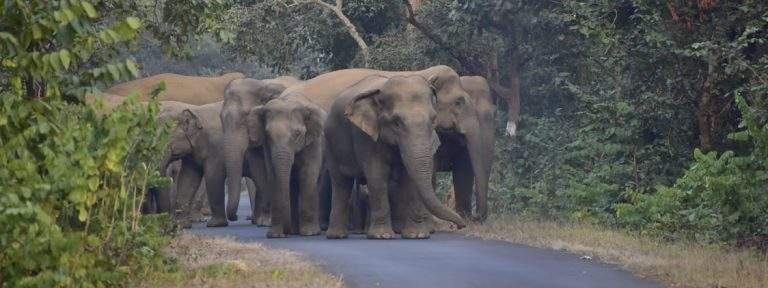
(445, 260)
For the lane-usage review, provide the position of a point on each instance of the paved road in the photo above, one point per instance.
(445, 260)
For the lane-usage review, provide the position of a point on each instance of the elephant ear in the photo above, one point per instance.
(191, 123)
(435, 142)
(314, 117)
(361, 111)
(255, 124)
(433, 81)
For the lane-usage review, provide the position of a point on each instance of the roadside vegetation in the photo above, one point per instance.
(677, 264)
(201, 261)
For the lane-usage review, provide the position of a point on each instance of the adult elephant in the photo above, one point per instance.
(381, 129)
(241, 155)
(196, 90)
(458, 115)
(466, 126)
(197, 142)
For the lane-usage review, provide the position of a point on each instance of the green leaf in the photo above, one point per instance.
(133, 22)
(132, 67)
(114, 71)
(66, 58)
(89, 10)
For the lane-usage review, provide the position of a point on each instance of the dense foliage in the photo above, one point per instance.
(73, 178)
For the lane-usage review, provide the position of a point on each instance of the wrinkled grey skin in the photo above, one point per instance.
(289, 130)
(197, 142)
(242, 157)
(379, 129)
(466, 126)
(357, 205)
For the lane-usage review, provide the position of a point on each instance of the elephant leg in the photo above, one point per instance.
(189, 181)
(294, 203)
(214, 183)
(338, 223)
(417, 221)
(324, 195)
(377, 176)
(205, 207)
(250, 186)
(399, 205)
(463, 182)
(149, 205)
(163, 199)
(309, 173)
(358, 208)
(262, 213)
(197, 203)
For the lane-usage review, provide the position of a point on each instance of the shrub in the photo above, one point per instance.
(721, 196)
(73, 182)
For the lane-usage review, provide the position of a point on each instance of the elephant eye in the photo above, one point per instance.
(459, 102)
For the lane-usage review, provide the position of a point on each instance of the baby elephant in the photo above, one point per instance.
(196, 141)
(381, 129)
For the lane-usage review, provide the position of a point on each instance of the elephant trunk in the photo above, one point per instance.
(235, 144)
(419, 163)
(477, 158)
(282, 162)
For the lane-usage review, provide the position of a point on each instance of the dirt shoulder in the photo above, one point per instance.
(675, 264)
(203, 261)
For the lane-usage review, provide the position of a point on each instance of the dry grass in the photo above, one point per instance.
(676, 264)
(223, 262)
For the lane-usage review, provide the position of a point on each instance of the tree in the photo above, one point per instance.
(337, 10)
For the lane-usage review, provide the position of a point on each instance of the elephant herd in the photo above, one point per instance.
(309, 146)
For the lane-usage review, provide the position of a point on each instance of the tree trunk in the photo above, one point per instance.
(704, 115)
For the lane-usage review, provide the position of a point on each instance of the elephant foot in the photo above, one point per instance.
(232, 217)
(415, 235)
(217, 222)
(334, 233)
(206, 211)
(311, 230)
(381, 233)
(276, 232)
(263, 221)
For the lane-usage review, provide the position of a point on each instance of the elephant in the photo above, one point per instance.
(324, 89)
(466, 126)
(289, 130)
(241, 155)
(196, 141)
(457, 113)
(194, 90)
(380, 129)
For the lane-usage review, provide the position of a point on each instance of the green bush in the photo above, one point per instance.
(72, 177)
(721, 197)
(73, 183)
